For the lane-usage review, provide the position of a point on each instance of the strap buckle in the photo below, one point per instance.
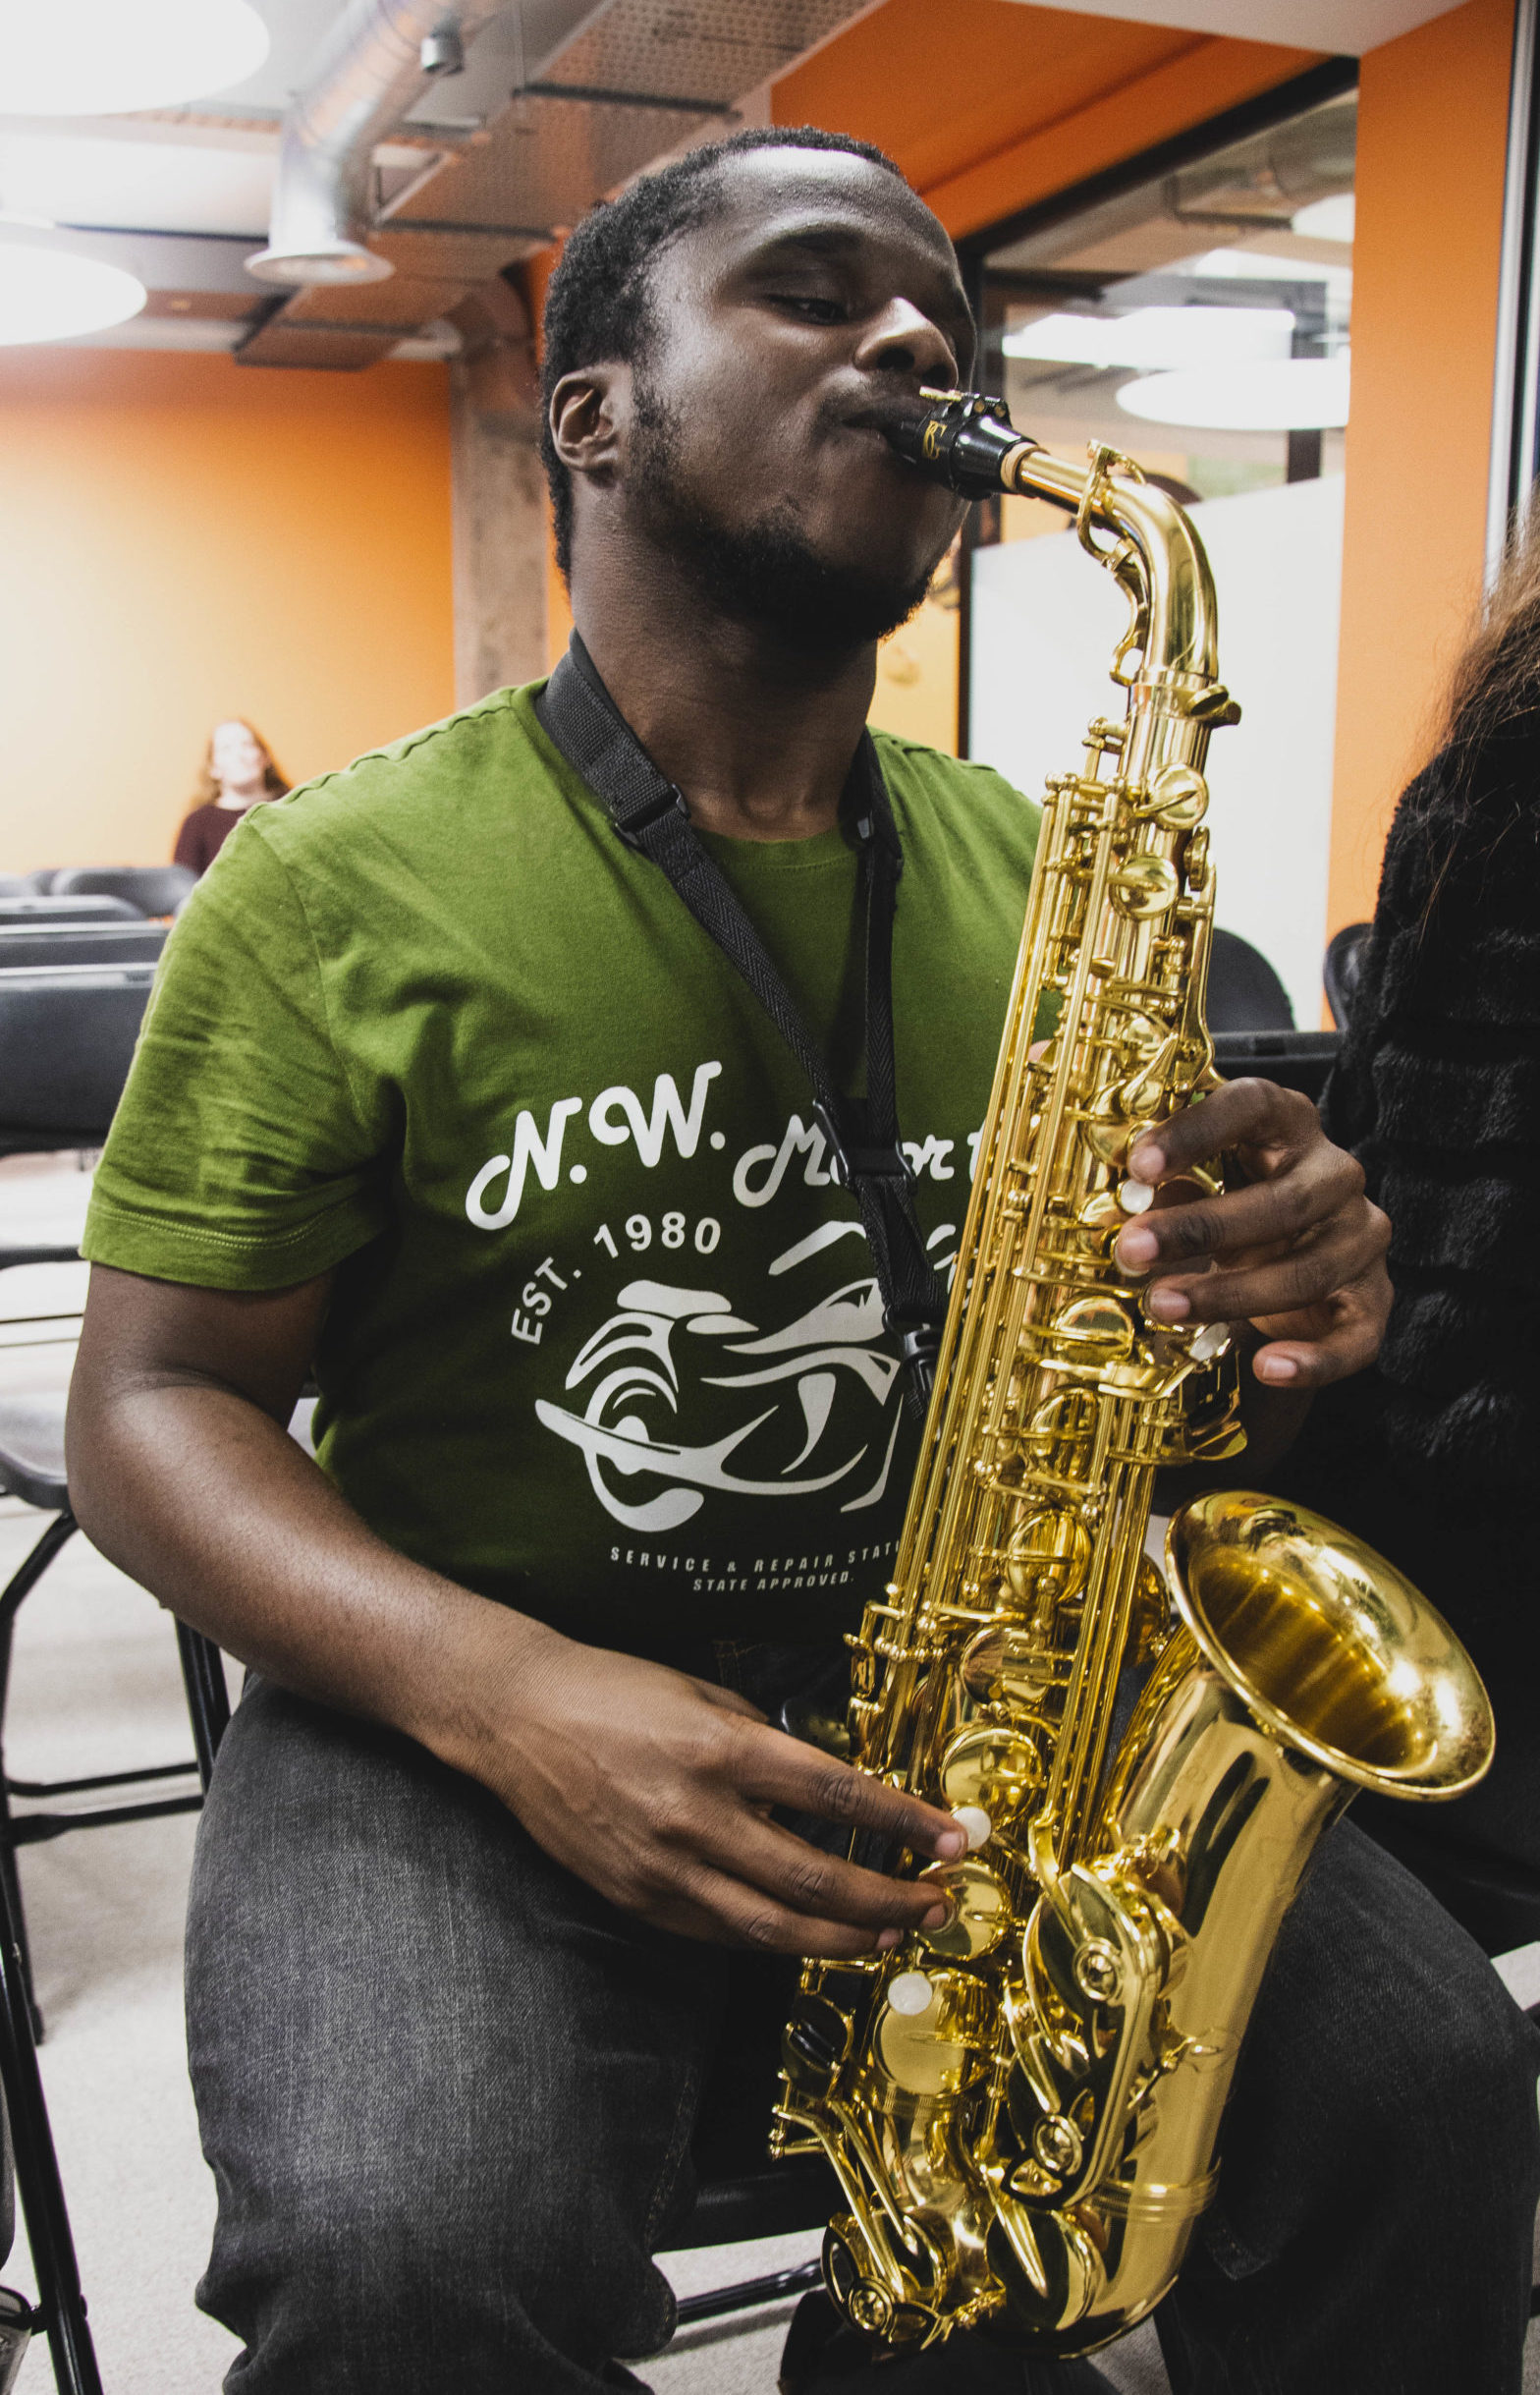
(632, 827)
(850, 1164)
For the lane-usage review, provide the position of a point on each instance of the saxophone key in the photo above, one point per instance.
(979, 1909)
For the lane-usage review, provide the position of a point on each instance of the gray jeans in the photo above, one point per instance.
(448, 2095)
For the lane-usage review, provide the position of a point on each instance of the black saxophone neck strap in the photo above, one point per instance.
(650, 815)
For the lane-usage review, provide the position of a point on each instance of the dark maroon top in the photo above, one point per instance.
(204, 832)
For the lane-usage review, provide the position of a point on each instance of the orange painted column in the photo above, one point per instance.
(1432, 137)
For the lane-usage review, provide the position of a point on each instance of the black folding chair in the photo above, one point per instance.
(154, 889)
(27, 947)
(60, 2311)
(67, 1035)
(40, 910)
(31, 1468)
(1245, 993)
(1340, 971)
(1296, 1060)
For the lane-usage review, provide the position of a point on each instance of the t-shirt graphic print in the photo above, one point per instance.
(604, 1338)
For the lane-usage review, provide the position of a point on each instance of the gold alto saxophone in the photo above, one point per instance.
(1022, 2108)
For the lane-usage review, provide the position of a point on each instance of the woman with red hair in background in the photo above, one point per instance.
(238, 772)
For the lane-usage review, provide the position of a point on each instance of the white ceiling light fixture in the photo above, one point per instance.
(1156, 338)
(100, 57)
(1260, 395)
(49, 292)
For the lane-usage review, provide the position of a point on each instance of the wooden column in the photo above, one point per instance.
(499, 497)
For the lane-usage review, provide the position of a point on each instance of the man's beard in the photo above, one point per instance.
(767, 574)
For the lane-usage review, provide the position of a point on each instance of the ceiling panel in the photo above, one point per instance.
(550, 157)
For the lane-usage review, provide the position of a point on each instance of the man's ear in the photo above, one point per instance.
(590, 414)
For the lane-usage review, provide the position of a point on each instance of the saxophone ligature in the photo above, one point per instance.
(1022, 2108)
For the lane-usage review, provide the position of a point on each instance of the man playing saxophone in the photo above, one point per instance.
(453, 1098)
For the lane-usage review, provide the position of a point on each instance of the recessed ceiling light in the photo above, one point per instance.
(1156, 337)
(100, 57)
(49, 293)
(1262, 395)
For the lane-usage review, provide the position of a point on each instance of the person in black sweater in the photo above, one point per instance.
(1434, 1454)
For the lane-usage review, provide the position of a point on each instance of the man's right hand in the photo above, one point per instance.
(656, 1789)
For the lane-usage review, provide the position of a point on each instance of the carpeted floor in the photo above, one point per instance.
(95, 1687)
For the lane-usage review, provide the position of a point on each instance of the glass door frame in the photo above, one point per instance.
(1325, 81)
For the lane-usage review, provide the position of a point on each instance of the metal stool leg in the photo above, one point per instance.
(208, 1698)
(61, 2304)
(21, 1581)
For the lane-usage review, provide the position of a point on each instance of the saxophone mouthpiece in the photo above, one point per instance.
(963, 439)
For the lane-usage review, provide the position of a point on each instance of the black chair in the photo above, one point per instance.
(60, 2311)
(154, 889)
(24, 945)
(14, 885)
(40, 878)
(1296, 1060)
(67, 1037)
(1343, 963)
(1245, 993)
(39, 911)
(31, 1468)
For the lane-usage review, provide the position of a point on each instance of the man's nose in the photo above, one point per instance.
(903, 339)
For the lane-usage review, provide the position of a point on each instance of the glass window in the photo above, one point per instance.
(1199, 324)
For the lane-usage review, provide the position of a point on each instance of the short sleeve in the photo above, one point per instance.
(239, 1156)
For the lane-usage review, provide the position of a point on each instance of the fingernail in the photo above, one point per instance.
(935, 1917)
(1147, 1160)
(1136, 1248)
(950, 1842)
(1277, 1367)
(887, 1940)
(1169, 1305)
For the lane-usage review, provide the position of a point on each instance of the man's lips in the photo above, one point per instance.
(886, 419)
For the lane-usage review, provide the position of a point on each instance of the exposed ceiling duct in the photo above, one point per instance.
(596, 94)
(375, 62)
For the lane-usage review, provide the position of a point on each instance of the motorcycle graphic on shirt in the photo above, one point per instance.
(809, 1399)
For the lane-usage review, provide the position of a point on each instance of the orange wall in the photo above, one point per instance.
(1432, 134)
(184, 539)
(1014, 103)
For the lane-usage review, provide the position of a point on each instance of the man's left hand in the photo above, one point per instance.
(1298, 1251)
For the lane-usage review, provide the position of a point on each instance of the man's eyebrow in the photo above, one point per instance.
(821, 240)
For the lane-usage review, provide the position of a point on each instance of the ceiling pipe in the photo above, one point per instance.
(375, 62)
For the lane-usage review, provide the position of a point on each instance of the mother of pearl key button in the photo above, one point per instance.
(975, 1821)
(1137, 1196)
(910, 1993)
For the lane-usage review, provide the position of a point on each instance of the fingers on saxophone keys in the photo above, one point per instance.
(803, 1777)
(1240, 1113)
(1179, 1234)
(1288, 1284)
(826, 1887)
(1261, 1214)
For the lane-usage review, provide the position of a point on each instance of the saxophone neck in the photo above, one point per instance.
(1133, 527)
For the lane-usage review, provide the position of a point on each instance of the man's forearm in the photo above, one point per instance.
(204, 1500)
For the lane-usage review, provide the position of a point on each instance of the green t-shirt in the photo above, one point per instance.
(604, 1340)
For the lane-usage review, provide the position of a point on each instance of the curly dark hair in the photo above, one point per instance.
(597, 306)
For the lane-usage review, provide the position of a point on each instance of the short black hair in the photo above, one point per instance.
(597, 306)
